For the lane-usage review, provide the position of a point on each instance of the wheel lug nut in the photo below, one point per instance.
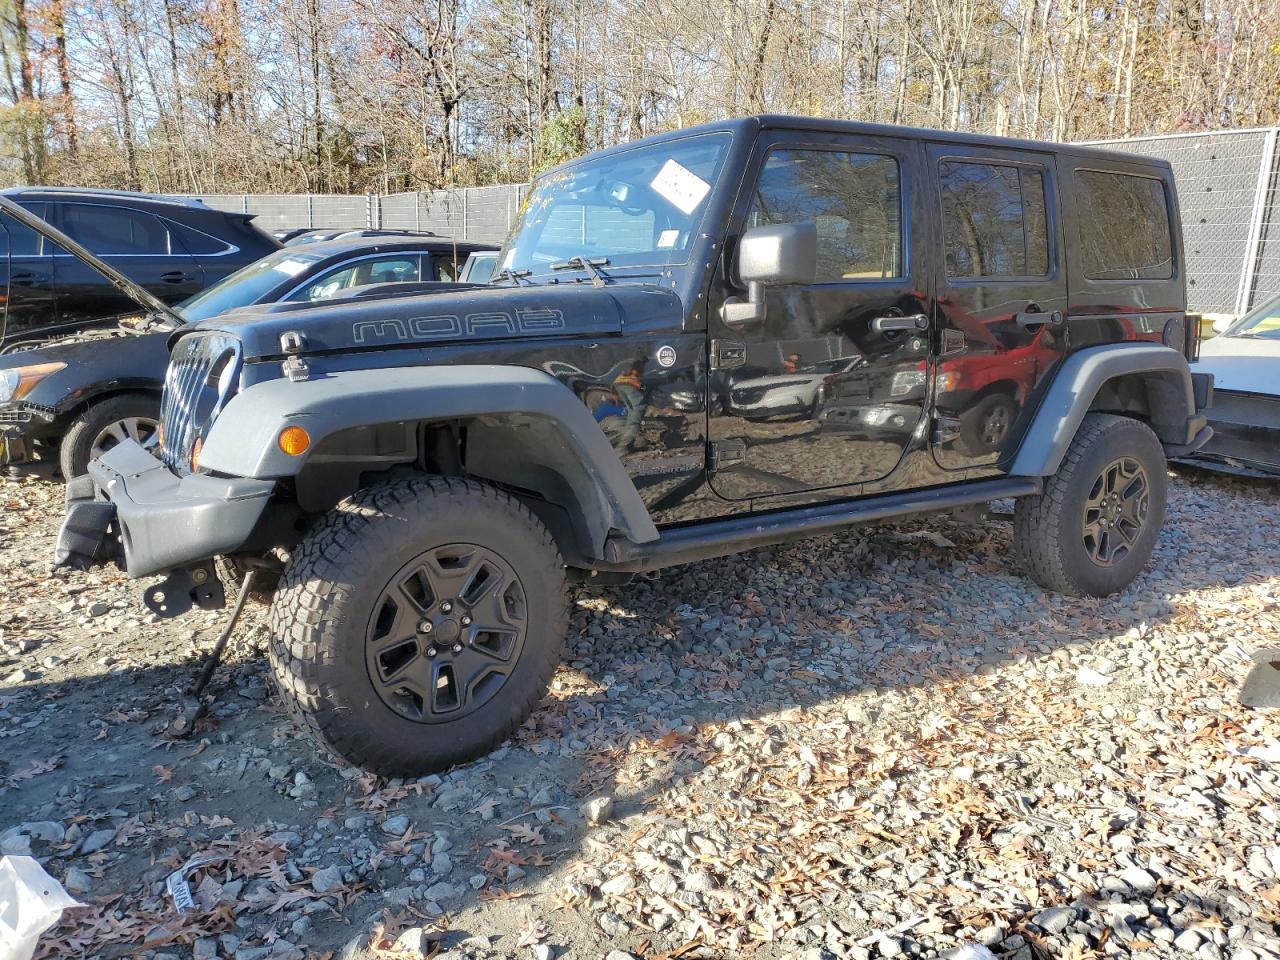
(446, 606)
(466, 621)
(431, 651)
(457, 648)
(425, 627)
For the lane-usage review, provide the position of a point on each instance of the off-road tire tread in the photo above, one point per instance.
(1039, 522)
(90, 421)
(313, 587)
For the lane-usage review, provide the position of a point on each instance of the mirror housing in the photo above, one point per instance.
(773, 255)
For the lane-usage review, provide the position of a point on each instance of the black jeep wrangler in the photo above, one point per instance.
(417, 479)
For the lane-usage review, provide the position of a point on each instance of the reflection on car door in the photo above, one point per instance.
(827, 390)
(136, 243)
(1001, 295)
(30, 300)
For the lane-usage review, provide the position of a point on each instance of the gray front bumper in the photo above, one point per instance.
(152, 518)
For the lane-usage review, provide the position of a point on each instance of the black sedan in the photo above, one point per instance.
(82, 396)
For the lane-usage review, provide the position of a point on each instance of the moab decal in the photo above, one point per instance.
(451, 326)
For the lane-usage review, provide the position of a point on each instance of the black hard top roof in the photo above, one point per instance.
(748, 126)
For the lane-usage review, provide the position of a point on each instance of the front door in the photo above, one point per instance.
(828, 389)
(1002, 296)
(30, 308)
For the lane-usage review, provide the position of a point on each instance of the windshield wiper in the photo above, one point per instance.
(515, 276)
(591, 265)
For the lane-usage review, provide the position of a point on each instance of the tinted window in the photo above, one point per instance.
(854, 199)
(994, 220)
(1124, 227)
(196, 242)
(391, 269)
(114, 230)
(18, 239)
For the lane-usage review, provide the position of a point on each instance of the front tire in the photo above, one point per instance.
(1093, 529)
(419, 623)
(129, 416)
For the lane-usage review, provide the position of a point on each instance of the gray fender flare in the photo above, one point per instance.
(1076, 384)
(243, 440)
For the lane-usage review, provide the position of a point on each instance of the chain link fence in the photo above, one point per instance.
(463, 213)
(1230, 219)
(1227, 189)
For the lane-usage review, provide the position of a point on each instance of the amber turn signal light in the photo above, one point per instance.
(294, 441)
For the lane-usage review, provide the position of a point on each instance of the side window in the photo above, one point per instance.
(854, 199)
(994, 220)
(445, 269)
(196, 242)
(1127, 236)
(117, 231)
(397, 269)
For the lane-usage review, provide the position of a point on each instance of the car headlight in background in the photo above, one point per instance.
(17, 382)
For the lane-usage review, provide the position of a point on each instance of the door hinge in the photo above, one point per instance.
(726, 354)
(945, 429)
(728, 453)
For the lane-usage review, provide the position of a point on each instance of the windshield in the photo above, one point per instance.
(641, 207)
(1261, 321)
(247, 285)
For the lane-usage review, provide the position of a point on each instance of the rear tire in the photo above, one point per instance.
(107, 422)
(349, 650)
(1092, 530)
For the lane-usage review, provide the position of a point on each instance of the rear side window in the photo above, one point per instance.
(117, 231)
(1124, 226)
(994, 220)
(854, 200)
(196, 242)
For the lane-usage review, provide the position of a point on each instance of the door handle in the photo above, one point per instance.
(1034, 318)
(916, 321)
(176, 276)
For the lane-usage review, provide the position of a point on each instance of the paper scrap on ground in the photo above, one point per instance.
(31, 902)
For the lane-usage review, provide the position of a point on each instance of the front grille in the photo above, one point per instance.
(202, 375)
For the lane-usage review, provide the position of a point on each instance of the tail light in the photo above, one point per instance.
(1192, 348)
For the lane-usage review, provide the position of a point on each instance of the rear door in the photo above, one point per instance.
(136, 243)
(30, 306)
(805, 400)
(1002, 295)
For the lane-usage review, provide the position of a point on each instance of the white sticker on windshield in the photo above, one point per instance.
(509, 259)
(667, 239)
(291, 268)
(683, 188)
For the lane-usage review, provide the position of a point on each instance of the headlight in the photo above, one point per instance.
(17, 382)
(904, 381)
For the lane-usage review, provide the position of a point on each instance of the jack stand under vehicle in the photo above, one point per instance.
(1262, 686)
(191, 706)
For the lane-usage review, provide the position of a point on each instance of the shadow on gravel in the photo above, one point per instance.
(648, 666)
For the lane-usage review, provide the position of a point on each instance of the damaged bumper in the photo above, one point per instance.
(134, 510)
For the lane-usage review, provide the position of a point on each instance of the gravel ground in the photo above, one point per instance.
(876, 744)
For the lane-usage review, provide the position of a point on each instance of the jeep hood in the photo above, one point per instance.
(453, 316)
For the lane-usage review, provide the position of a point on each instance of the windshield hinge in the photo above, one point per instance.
(727, 354)
(728, 453)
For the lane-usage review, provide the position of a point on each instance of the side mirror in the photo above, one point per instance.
(773, 255)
